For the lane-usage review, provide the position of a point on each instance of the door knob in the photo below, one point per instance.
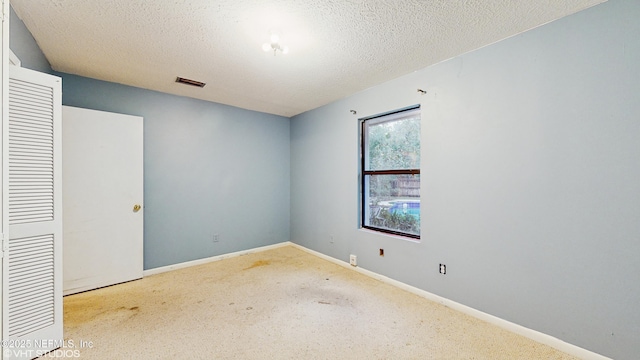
(136, 208)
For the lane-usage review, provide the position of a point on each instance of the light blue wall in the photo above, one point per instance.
(530, 179)
(25, 47)
(208, 168)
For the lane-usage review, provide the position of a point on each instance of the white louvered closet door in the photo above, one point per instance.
(32, 265)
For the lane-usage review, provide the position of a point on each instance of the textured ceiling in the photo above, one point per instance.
(336, 47)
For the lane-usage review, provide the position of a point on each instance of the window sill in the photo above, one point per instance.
(394, 236)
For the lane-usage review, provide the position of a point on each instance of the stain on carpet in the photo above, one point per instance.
(257, 264)
(88, 310)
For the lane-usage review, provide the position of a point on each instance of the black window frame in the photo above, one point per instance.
(364, 173)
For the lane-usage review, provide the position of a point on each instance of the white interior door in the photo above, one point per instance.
(32, 263)
(102, 183)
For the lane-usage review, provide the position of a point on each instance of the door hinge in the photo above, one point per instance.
(5, 245)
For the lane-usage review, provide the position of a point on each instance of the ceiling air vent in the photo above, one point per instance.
(190, 82)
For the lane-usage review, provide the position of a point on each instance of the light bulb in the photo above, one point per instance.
(275, 38)
(285, 50)
(266, 46)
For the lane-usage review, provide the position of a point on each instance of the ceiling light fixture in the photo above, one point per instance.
(274, 45)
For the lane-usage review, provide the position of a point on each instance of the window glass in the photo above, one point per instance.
(391, 173)
(394, 144)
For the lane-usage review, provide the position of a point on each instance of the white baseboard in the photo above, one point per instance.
(507, 325)
(162, 269)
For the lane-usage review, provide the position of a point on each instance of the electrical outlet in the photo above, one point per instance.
(353, 260)
(443, 269)
(216, 237)
(330, 239)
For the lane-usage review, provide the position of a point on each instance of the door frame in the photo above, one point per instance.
(4, 111)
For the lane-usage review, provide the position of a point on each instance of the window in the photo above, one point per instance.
(391, 173)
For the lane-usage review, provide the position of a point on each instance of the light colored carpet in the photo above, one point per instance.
(279, 304)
